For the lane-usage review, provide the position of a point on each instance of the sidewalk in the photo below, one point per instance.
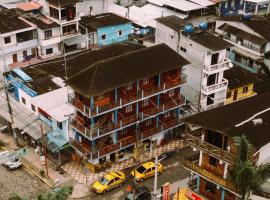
(75, 169)
(33, 164)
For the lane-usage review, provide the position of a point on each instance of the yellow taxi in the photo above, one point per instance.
(146, 170)
(109, 181)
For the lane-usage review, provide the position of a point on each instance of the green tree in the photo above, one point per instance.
(245, 175)
(60, 194)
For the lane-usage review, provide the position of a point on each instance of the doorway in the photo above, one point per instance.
(214, 59)
(15, 58)
(235, 93)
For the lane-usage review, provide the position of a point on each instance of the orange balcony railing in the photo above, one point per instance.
(108, 149)
(127, 141)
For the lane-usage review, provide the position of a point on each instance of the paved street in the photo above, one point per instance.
(20, 182)
(173, 172)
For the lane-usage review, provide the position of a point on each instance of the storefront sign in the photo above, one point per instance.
(193, 196)
(166, 191)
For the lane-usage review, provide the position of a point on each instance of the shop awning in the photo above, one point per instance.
(23, 119)
(55, 142)
(75, 40)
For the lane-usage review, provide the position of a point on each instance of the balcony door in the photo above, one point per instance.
(212, 79)
(214, 59)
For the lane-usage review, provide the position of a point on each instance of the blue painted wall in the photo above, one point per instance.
(232, 58)
(112, 34)
(230, 7)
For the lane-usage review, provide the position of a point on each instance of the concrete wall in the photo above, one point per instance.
(98, 7)
(167, 35)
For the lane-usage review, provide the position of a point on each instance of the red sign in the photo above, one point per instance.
(166, 191)
(193, 195)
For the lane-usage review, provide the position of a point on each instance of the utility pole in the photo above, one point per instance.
(44, 150)
(8, 100)
(156, 173)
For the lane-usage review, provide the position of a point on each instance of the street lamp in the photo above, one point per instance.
(156, 172)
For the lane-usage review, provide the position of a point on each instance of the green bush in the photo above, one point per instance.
(42, 173)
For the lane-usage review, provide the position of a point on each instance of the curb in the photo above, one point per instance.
(32, 172)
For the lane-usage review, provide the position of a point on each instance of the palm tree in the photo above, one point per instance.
(60, 194)
(245, 175)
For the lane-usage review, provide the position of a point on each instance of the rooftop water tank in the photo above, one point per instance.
(188, 28)
(203, 26)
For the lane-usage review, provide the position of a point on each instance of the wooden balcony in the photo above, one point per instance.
(127, 141)
(108, 149)
(76, 103)
(79, 147)
(197, 142)
(161, 127)
(210, 176)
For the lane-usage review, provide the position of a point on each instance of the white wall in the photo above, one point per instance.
(166, 35)
(264, 155)
(28, 100)
(98, 7)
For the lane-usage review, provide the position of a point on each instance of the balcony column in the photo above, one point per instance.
(92, 102)
(60, 17)
(200, 159)
(115, 137)
(115, 117)
(268, 8)
(198, 184)
(138, 87)
(222, 194)
(115, 95)
(225, 170)
(256, 9)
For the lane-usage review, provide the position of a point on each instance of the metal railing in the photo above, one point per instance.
(224, 64)
(210, 88)
(97, 130)
(128, 99)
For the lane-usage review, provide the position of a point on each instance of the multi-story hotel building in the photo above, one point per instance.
(212, 133)
(126, 99)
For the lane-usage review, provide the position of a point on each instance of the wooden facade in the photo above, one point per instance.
(114, 120)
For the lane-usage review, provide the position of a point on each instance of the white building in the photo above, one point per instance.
(18, 39)
(251, 39)
(207, 54)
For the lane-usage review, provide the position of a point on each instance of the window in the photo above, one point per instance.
(145, 102)
(49, 51)
(210, 187)
(25, 54)
(128, 108)
(229, 94)
(129, 86)
(7, 40)
(245, 89)
(167, 114)
(103, 37)
(120, 33)
(148, 122)
(171, 93)
(213, 161)
(23, 100)
(60, 125)
(148, 171)
(48, 33)
(33, 107)
(145, 81)
(183, 49)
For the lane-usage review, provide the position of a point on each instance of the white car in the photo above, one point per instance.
(11, 164)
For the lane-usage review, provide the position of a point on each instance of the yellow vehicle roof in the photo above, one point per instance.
(148, 165)
(111, 175)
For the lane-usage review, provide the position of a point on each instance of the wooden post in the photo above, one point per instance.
(44, 150)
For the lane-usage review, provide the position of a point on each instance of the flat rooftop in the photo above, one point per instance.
(102, 20)
(209, 40)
